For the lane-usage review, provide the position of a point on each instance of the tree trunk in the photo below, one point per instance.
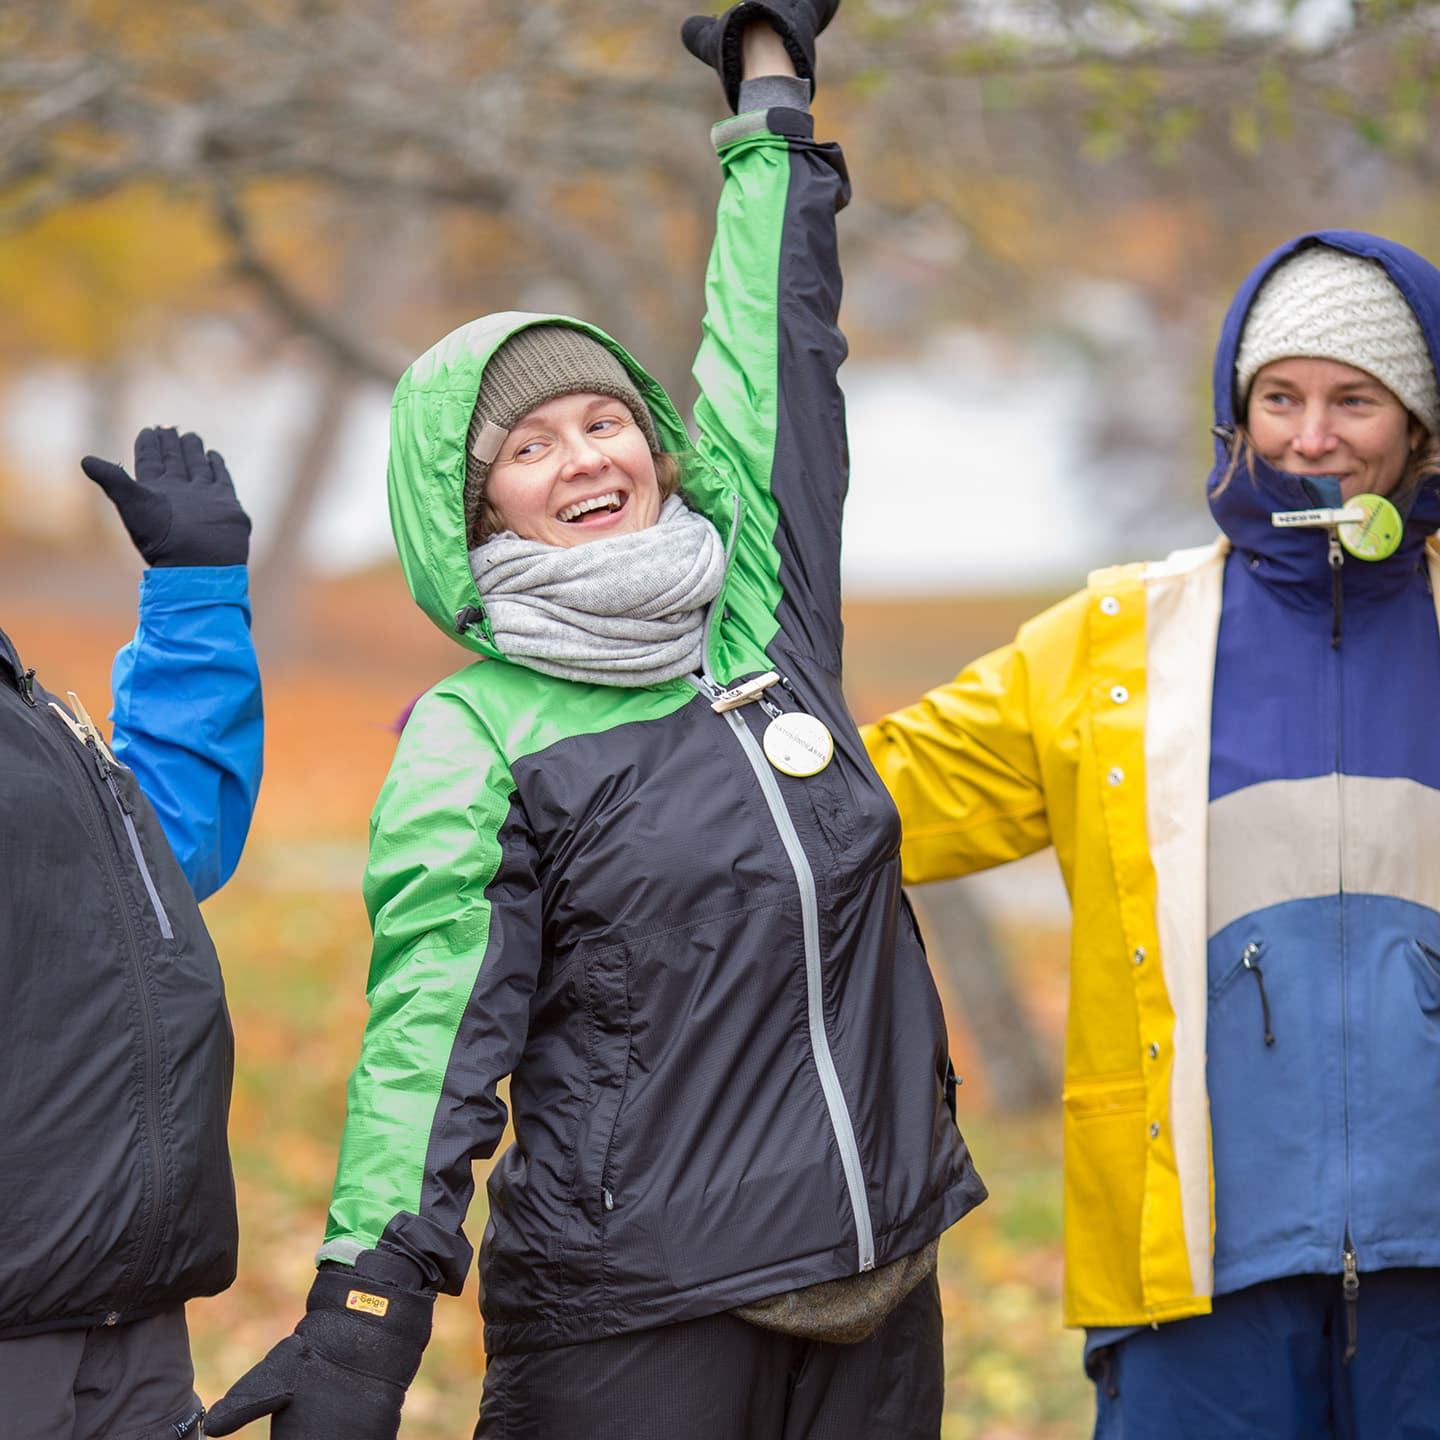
(1019, 1070)
(278, 575)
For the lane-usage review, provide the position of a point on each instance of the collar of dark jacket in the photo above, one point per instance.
(10, 658)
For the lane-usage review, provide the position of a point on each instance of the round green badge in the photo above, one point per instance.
(1378, 534)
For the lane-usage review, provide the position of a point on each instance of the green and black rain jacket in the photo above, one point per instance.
(726, 1057)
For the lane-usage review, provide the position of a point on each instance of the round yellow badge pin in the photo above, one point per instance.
(1378, 534)
(798, 744)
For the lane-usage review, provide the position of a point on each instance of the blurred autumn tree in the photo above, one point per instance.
(363, 173)
(358, 176)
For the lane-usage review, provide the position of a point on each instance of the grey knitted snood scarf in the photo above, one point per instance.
(624, 611)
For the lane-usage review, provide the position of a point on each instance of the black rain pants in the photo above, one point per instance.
(719, 1378)
(121, 1382)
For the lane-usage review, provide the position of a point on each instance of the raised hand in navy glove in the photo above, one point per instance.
(180, 507)
(716, 39)
(343, 1374)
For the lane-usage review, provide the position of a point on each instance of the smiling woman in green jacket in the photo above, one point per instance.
(633, 857)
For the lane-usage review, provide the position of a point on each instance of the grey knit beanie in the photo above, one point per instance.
(531, 367)
(1331, 305)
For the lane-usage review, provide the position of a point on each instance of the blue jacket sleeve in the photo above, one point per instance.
(187, 715)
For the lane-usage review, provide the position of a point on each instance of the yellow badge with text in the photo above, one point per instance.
(369, 1304)
(1378, 535)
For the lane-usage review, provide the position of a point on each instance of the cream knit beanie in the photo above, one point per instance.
(1331, 305)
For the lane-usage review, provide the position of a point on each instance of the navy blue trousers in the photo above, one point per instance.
(1270, 1362)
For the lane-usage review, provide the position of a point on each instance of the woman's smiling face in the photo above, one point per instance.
(1321, 417)
(574, 469)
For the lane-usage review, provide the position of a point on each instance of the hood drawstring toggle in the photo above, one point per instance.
(470, 615)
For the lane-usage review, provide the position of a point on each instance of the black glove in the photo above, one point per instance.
(716, 40)
(343, 1374)
(180, 508)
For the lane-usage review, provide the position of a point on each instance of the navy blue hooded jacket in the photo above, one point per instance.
(1324, 879)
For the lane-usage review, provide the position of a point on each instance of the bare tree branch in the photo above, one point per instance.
(346, 349)
(574, 132)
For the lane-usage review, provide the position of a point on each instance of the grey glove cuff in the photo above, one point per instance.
(774, 92)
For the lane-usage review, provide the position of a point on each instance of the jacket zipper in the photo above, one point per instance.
(1350, 1288)
(1250, 959)
(156, 904)
(147, 1020)
(1350, 1260)
(1337, 589)
(840, 1121)
(92, 742)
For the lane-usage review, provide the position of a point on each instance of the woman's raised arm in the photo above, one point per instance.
(770, 414)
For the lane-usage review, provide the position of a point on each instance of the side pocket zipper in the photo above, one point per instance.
(1250, 959)
(156, 904)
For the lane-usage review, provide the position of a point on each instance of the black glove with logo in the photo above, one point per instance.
(180, 508)
(343, 1374)
(716, 39)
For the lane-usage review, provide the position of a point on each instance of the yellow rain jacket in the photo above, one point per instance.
(1090, 732)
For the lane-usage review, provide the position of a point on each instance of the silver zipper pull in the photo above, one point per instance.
(1337, 589)
(711, 690)
(1250, 959)
(1350, 1288)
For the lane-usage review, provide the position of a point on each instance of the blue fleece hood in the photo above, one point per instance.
(1243, 509)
